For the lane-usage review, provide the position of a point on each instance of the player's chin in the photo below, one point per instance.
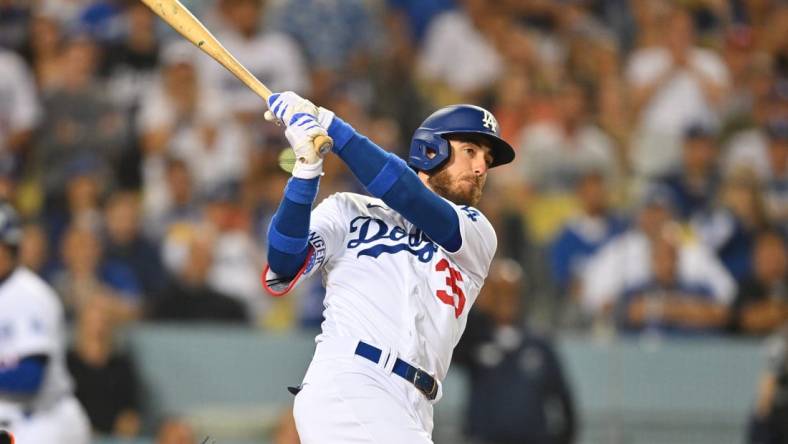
(466, 195)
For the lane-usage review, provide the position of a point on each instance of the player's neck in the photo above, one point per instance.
(425, 179)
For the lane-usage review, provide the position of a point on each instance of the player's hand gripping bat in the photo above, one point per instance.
(189, 26)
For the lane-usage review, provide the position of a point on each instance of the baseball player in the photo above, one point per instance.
(36, 399)
(401, 268)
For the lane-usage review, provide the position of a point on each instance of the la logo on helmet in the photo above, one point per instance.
(489, 121)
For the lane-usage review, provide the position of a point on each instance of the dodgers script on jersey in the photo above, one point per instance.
(31, 324)
(388, 284)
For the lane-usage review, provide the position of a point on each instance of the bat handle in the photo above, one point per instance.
(323, 145)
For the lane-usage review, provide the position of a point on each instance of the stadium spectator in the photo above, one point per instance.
(553, 150)
(394, 94)
(44, 50)
(666, 303)
(85, 182)
(511, 98)
(130, 64)
(694, 184)
(124, 242)
(261, 195)
(34, 251)
(79, 121)
(419, 13)
(587, 41)
(104, 376)
(188, 295)
(348, 38)
(671, 84)
(748, 67)
(169, 196)
(518, 390)
(9, 179)
(182, 119)
(273, 57)
(730, 229)
(14, 24)
(761, 304)
(86, 279)
(583, 235)
(19, 110)
(749, 146)
(67, 11)
(649, 17)
(237, 260)
(460, 37)
(626, 260)
(776, 193)
(594, 62)
(773, 35)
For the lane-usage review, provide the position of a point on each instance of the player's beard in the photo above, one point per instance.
(462, 190)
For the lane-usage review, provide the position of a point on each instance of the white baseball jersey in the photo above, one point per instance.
(31, 323)
(388, 284)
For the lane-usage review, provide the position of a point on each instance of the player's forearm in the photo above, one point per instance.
(289, 231)
(24, 378)
(389, 178)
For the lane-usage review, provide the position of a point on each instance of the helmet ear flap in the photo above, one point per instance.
(428, 151)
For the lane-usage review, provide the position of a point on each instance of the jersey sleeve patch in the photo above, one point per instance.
(277, 285)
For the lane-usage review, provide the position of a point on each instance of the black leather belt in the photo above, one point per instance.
(419, 378)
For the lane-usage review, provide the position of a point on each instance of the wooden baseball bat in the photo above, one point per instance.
(182, 20)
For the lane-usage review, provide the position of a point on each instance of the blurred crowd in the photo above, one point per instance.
(649, 194)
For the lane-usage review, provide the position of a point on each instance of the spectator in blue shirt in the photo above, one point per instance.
(420, 13)
(126, 245)
(86, 278)
(695, 183)
(730, 229)
(761, 304)
(584, 234)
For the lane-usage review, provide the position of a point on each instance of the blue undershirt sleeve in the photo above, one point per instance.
(389, 178)
(25, 378)
(289, 231)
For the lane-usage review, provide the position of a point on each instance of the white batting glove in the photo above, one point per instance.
(285, 106)
(301, 134)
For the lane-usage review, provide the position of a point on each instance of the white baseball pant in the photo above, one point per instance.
(348, 399)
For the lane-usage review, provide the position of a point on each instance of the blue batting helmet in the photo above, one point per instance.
(429, 148)
(10, 226)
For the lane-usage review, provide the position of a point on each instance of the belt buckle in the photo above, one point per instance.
(432, 392)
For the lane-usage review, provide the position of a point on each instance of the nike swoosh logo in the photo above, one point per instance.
(376, 206)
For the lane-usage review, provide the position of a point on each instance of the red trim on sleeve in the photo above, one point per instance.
(293, 281)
